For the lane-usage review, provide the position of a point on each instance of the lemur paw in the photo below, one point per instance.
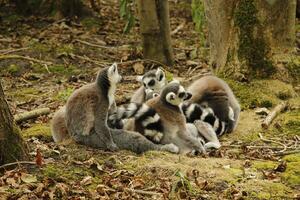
(212, 145)
(112, 147)
(171, 148)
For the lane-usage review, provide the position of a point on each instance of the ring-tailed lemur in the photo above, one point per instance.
(174, 127)
(216, 93)
(84, 118)
(154, 80)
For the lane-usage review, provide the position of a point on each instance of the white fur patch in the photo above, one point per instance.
(131, 109)
(142, 110)
(155, 135)
(190, 110)
(216, 124)
(150, 120)
(231, 114)
(121, 111)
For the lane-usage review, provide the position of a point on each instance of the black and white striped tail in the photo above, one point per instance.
(145, 117)
(194, 111)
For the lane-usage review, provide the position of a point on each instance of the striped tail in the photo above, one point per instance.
(147, 120)
(194, 111)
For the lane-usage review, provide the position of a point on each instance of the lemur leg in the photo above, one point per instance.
(137, 143)
(207, 131)
(101, 128)
(194, 132)
(191, 141)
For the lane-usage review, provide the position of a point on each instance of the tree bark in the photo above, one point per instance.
(155, 30)
(245, 34)
(12, 146)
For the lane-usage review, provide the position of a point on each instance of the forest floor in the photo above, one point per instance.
(252, 163)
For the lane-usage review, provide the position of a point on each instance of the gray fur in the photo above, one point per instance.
(219, 96)
(85, 117)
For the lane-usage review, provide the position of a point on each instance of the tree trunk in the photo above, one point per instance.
(244, 34)
(12, 146)
(155, 30)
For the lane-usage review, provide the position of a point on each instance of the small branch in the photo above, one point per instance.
(272, 141)
(17, 163)
(178, 28)
(255, 147)
(31, 114)
(94, 45)
(7, 51)
(286, 153)
(145, 192)
(271, 116)
(12, 56)
(85, 58)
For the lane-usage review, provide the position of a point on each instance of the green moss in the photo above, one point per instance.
(290, 122)
(13, 69)
(294, 69)
(37, 130)
(39, 47)
(25, 94)
(60, 69)
(292, 172)
(264, 165)
(253, 49)
(90, 22)
(259, 93)
(65, 49)
(64, 95)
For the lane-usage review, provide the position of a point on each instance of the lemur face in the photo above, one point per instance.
(153, 80)
(175, 94)
(113, 74)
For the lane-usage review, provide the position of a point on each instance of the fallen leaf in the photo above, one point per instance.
(28, 178)
(86, 180)
(138, 68)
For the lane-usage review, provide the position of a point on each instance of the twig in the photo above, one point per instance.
(94, 45)
(85, 58)
(178, 28)
(272, 141)
(280, 153)
(271, 116)
(255, 147)
(145, 192)
(140, 60)
(12, 56)
(31, 114)
(17, 163)
(7, 51)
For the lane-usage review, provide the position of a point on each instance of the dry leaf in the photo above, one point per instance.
(86, 180)
(28, 178)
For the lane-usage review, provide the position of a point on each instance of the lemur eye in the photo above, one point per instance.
(145, 85)
(181, 95)
(151, 83)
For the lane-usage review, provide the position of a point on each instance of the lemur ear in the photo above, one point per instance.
(113, 67)
(188, 95)
(139, 78)
(159, 74)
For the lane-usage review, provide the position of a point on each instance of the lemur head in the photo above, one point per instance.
(174, 94)
(150, 94)
(153, 79)
(113, 75)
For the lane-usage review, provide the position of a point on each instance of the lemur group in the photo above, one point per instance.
(161, 115)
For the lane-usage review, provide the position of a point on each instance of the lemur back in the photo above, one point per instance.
(86, 118)
(217, 95)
